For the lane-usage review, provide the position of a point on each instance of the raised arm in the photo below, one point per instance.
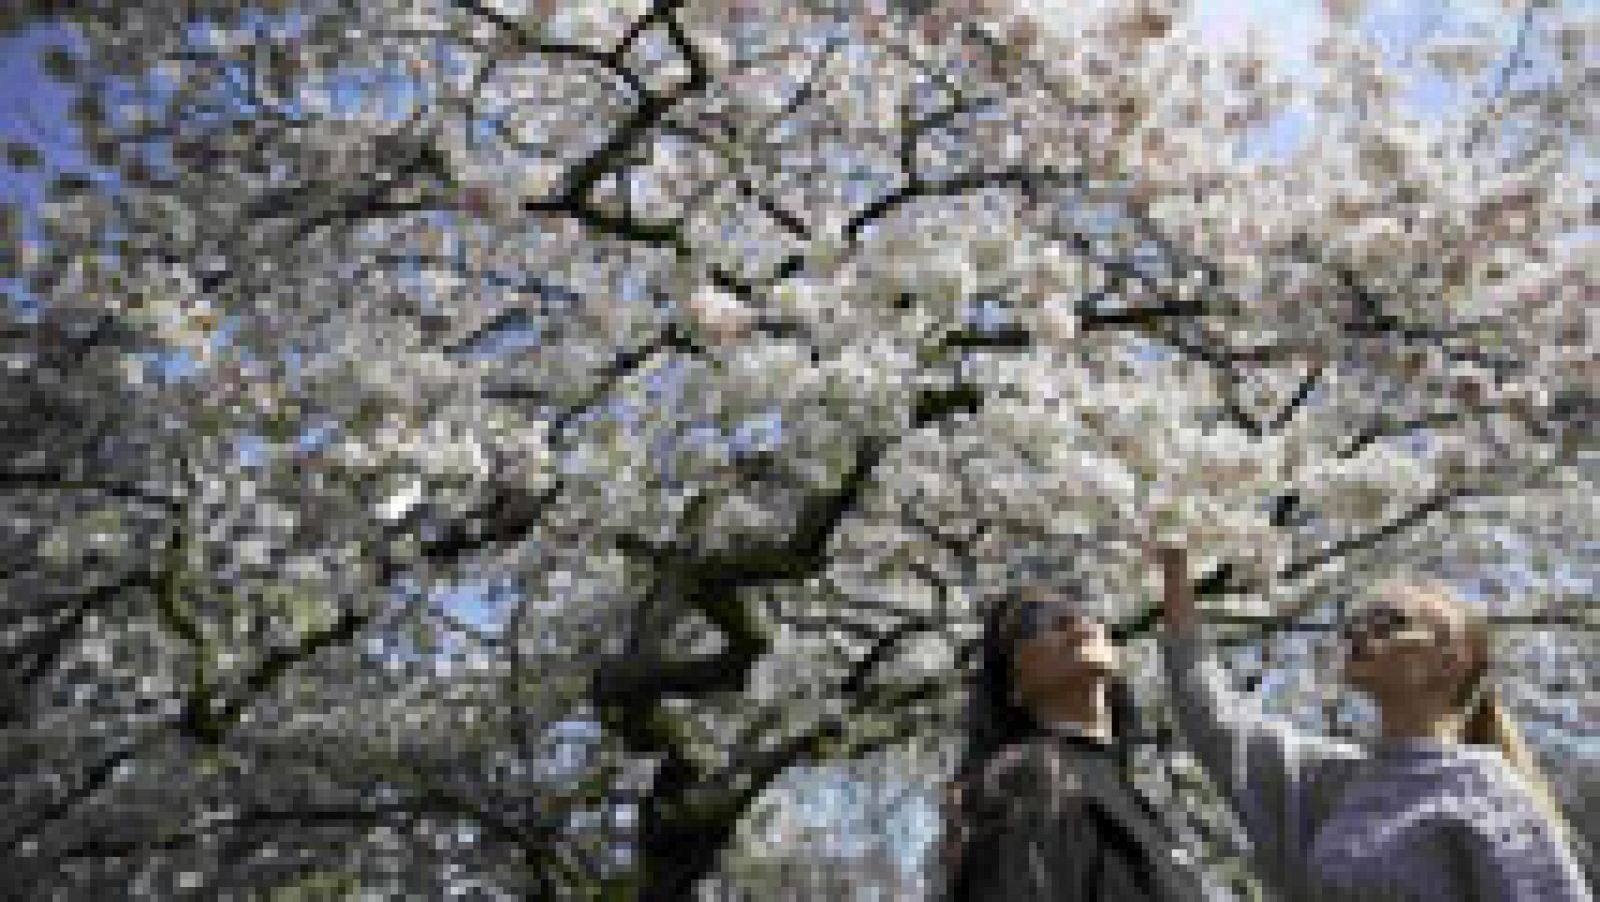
(1261, 766)
(1242, 754)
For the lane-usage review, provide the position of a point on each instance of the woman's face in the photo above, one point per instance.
(1405, 643)
(1059, 643)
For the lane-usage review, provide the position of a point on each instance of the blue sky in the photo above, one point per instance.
(33, 108)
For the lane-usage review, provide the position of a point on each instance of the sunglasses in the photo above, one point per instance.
(1034, 618)
(1382, 622)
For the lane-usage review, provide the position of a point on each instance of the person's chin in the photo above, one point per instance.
(1095, 664)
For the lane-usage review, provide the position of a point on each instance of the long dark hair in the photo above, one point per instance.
(993, 721)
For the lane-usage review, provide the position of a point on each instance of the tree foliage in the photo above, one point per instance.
(484, 443)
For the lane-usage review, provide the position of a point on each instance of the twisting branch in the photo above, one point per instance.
(580, 180)
(1221, 580)
(915, 189)
(524, 41)
(1436, 503)
(1302, 393)
(49, 647)
(94, 779)
(686, 799)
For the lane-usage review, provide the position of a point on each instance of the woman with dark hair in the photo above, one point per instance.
(1041, 806)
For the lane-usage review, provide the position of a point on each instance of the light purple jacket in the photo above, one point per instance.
(1333, 821)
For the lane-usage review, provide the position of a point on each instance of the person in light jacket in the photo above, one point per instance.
(1447, 805)
(1041, 807)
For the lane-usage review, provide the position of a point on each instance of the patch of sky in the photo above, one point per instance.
(317, 435)
(1396, 29)
(487, 128)
(760, 433)
(33, 109)
(575, 732)
(1288, 31)
(1278, 138)
(250, 450)
(455, 64)
(175, 365)
(1145, 350)
(917, 825)
(703, 434)
(987, 313)
(24, 303)
(1151, 259)
(386, 91)
(664, 384)
(347, 93)
(862, 183)
(484, 603)
(1419, 443)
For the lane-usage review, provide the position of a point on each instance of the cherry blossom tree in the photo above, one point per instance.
(494, 443)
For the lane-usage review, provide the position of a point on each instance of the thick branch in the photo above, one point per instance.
(59, 480)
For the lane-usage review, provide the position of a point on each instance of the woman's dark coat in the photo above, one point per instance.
(1053, 818)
